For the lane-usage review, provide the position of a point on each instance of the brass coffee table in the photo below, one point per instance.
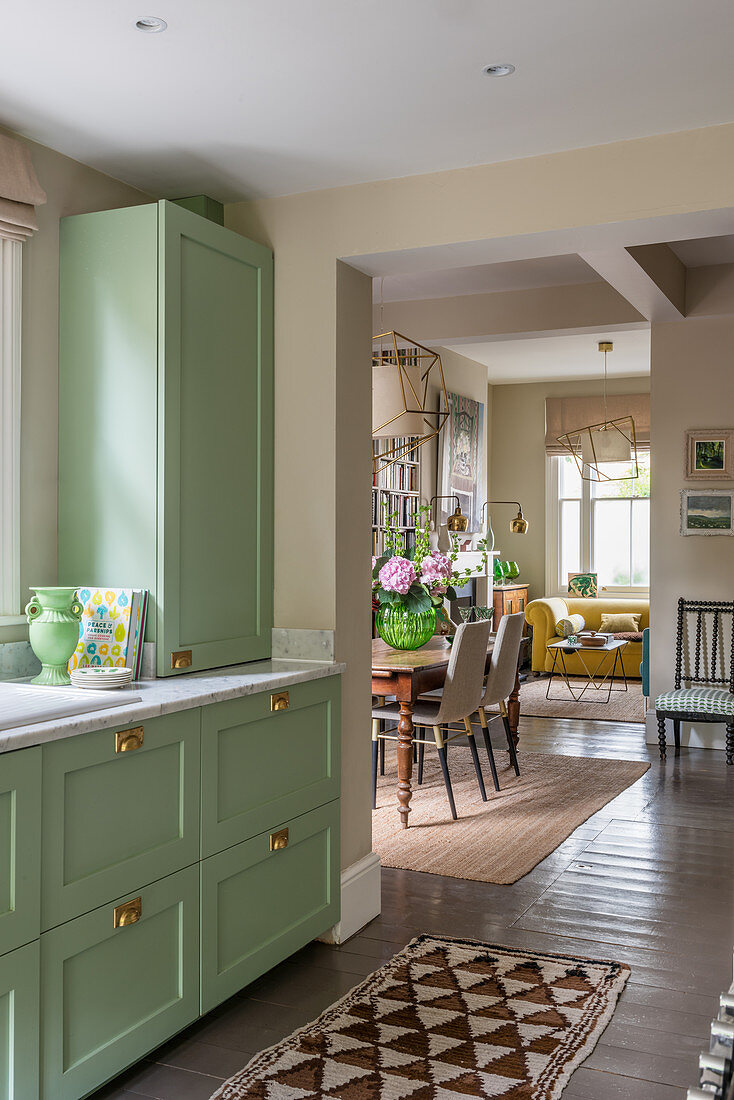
(561, 648)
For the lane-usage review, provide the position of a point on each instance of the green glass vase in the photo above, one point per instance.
(403, 629)
(53, 615)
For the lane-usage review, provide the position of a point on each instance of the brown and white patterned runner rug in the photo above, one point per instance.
(445, 1018)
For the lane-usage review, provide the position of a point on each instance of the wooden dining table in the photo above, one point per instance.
(406, 674)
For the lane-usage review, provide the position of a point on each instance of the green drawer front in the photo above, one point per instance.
(114, 820)
(20, 847)
(109, 995)
(19, 1024)
(260, 766)
(258, 906)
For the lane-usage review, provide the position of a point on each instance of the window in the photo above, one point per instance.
(602, 527)
(10, 291)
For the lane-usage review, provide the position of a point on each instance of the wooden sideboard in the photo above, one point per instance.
(509, 599)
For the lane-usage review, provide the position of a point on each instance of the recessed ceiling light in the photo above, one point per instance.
(499, 70)
(151, 24)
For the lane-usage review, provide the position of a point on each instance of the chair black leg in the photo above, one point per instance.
(511, 744)
(730, 742)
(382, 757)
(374, 774)
(421, 754)
(447, 780)
(488, 747)
(415, 752)
(676, 734)
(661, 735)
(475, 758)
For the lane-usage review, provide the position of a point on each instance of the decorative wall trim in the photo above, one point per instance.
(361, 898)
(10, 313)
(303, 645)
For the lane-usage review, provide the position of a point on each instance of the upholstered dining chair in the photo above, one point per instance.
(697, 661)
(500, 682)
(462, 694)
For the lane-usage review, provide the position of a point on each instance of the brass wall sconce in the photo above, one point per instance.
(457, 521)
(518, 524)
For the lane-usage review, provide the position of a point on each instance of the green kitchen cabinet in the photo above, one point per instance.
(265, 898)
(120, 809)
(113, 991)
(20, 847)
(166, 426)
(19, 1016)
(261, 764)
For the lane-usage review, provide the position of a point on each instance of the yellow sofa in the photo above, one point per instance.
(544, 614)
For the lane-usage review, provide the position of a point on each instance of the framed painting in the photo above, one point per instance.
(460, 459)
(706, 511)
(710, 454)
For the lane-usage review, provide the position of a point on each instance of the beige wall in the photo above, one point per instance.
(468, 378)
(665, 176)
(692, 387)
(71, 188)
(518, 465)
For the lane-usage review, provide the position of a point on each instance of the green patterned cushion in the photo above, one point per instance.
(697, 700)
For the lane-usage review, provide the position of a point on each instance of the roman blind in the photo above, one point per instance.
(20, 191)
(568, 414)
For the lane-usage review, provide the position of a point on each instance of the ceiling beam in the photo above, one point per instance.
(650, 277)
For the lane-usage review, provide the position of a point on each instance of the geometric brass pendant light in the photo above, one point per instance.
(400, 373)
(607, 441)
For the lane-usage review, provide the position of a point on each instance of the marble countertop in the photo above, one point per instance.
(165, 696)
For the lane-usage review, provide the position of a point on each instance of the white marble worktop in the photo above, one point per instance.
(164, 696)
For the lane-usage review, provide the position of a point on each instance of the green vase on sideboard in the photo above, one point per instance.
(53, 616)
(403, 629)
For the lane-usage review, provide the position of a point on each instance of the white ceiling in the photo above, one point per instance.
(485, 279)
(266, 97)
(561, 358)
(705, 251)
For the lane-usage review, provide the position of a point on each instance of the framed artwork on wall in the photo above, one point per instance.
(710, 454)
(460, 463)
(706, 511)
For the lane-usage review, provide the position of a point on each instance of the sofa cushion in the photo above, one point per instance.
(572, 624)
(628, 636)
(613, 621)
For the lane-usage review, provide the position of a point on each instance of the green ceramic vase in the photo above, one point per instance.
(403, 629)
(53, 615)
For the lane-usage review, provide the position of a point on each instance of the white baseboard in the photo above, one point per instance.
(361, 897)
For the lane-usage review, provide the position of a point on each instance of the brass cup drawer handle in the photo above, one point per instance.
(129, 740)
(129, 912)
(279, 840)
(182, 658)
(281, 701)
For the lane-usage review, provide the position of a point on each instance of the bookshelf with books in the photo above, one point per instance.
(395, 489)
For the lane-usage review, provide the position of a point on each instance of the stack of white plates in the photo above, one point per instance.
(100, 678)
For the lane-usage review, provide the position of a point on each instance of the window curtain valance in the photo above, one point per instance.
(568, 414)
(20, 191)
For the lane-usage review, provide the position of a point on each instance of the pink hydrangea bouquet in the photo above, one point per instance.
(418, 578)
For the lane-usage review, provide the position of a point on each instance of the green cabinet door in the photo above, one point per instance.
(111, 994)
(261, 765)
(114, 819)
(215, 463)
(260, 902)
(19, 1024)
(20, 847)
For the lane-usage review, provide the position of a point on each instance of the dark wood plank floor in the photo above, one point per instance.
(648, 880)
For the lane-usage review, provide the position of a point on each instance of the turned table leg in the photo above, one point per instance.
(513, 708)
(405, 761)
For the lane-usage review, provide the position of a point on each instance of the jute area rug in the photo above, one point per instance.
(445, 1018)
(623, 706)
(502, 839)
